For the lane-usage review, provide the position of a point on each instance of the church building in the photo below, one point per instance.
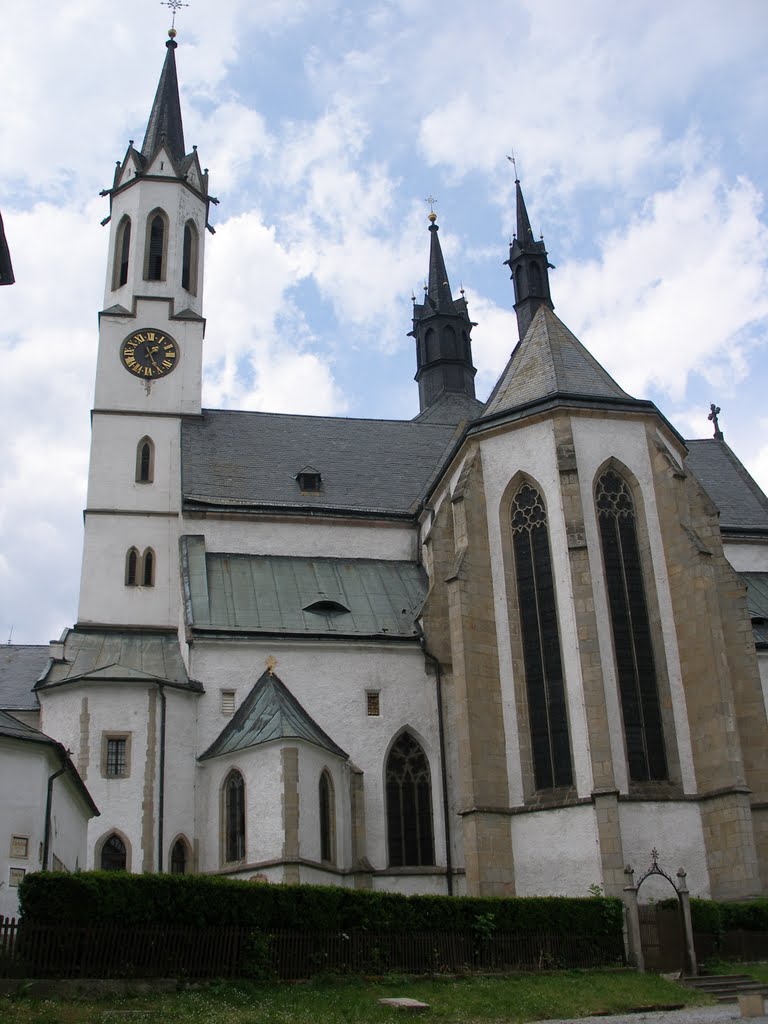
(506, 647)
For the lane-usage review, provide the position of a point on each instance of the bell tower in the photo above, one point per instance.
(148, 370)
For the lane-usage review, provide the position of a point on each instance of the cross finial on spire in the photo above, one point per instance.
(514, 164)
(714, 412)
(432, 215)
(173, 5)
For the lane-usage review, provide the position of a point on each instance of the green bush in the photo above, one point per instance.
(716, 918)
(201, 900)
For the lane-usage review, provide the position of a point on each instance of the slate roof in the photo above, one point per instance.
(270, 712)
(21, 665)
(743, 506)
(550, 360)
(333, 597)
(12, 728)
(132, 657)
(250, 459)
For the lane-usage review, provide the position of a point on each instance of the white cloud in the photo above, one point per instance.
(683, 288)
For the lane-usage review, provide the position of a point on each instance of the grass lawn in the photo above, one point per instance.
(521, 997)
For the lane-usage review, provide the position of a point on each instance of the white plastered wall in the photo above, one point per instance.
(597, 440)
(104, 596)
(674, 829)
(308, 539)
(556, 852)
(746, 557)
(112, 483)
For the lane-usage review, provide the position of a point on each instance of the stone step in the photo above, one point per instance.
(726, 987)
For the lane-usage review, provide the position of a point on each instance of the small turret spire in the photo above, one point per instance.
(441, 327)
(165, 125)
(529, 267)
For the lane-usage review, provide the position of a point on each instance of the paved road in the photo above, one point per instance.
(693, 1015)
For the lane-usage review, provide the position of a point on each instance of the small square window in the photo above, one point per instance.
(227, 702)
(372, 703)
(116, 755)
(15, 876)
(19, 846)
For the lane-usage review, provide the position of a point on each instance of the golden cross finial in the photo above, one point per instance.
(173, 5)
(432, 215)
(271, 662)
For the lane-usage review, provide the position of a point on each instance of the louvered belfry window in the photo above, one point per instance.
(409, 804)
(547, 712)
(633, 648)
(156, 247)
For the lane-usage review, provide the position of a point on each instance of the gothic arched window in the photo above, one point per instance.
(327, 818)
(131, 567)
(148, 569)
(157, 232)
(432, 346)
(450, 348)
(534, 278)
(234, 817)
(145, 461)
(547, 712)
(179, 858)
(189, 258)
(122, 252)
(114, 856)
(633, 648)
(409, 804)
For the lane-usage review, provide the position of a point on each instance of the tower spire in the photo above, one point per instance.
(165, 125)
(441, 327)
(529, 268)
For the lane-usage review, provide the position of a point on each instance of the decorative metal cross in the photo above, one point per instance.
(714, 412)
(431, 200)
(173, 5)
(513, 162)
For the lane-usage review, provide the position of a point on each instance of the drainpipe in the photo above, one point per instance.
(48, 802)
(161, 781)
(443, 769)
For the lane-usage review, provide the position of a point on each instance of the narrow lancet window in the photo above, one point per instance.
(633, 648)
(156, 248)
(189, 258)
(122, 253)
(409, 805)
(114, 856)
(234, 817)
(148, 571)
(547, 712)
(145, 461)
(131, 567)
(326, 818)
(179, 858)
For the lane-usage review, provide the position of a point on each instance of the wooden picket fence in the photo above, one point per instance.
(32, 950)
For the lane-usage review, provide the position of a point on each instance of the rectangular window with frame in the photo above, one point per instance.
(15, 876)
(372, 703)
(116, 755)
(20, 847)
(227, 702)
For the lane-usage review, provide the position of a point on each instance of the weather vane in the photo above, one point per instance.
(173, 5)
(714, 412)
(513, 162)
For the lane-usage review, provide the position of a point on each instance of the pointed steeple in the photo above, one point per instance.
(165, 125)
(441, 327)
(529, 268)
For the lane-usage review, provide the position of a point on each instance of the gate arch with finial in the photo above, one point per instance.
(633, 914)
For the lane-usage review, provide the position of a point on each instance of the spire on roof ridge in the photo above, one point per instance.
(529, 267)
(524, 232)
(165, 125)
(438, 289)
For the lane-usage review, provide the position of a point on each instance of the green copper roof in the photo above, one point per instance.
(270, 712)
(310, 596)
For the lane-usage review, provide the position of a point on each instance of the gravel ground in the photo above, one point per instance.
(693, 1015)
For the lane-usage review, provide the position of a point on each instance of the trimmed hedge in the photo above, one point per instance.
(713, 917)
(93, 896)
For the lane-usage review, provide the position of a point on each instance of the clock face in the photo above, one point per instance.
(149, 353)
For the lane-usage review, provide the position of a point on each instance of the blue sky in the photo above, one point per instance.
(639, 130)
